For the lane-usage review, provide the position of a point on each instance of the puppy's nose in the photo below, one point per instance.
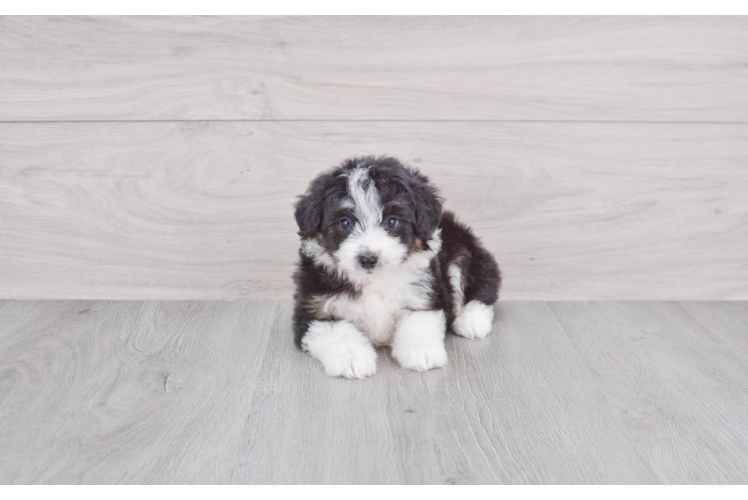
(368, 260)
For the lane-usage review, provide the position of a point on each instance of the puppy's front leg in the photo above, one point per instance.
(343, 350)
(419, 340)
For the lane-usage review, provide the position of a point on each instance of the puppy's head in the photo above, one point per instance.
(368, 216)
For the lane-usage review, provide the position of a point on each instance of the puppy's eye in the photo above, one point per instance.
(345, 224)
(392, 222)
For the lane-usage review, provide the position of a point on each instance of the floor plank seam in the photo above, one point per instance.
(10, 301)
(611, 408)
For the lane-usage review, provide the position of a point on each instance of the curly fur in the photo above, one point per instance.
(381, 263)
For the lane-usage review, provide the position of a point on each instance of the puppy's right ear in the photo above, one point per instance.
(309, 208)
(309, 214)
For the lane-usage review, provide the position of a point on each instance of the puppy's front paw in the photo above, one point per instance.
(419, 341)
(420, 357)
(352, 362)
(341, 348)
(474, 321)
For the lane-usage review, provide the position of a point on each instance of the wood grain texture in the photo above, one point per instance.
(679, 387)
(728, 318)
(203, 210)
(521, 407)
(384, 68)
(101, 392)
(206, 392)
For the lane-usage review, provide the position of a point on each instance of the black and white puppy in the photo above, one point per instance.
(382, 264)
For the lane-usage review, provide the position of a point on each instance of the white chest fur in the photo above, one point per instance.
(382, 302)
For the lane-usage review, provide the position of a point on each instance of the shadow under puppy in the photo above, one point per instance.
(382, 264)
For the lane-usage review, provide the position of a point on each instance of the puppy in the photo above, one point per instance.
(382, 264)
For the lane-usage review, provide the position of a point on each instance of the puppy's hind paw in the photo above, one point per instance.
(474, 321)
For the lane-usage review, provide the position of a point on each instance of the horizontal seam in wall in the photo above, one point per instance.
(333, 120)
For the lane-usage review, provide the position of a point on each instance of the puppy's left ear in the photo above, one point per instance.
(428, 206)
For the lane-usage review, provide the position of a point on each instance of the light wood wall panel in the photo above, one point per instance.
(384, 68)
(197, 210)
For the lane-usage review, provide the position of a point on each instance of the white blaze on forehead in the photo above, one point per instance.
(364, 194)
(367, 235)
(347, 203)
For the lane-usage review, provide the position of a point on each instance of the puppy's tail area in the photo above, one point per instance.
(483, 279)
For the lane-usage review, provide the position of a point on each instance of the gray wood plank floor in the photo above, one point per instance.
(215, 392)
